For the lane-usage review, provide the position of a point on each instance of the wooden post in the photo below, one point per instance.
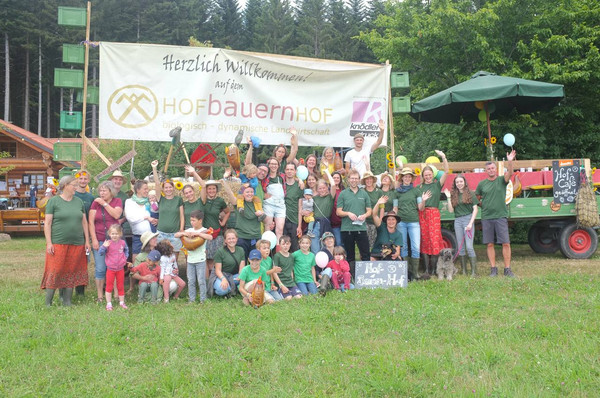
(85, 82)
(391, 126)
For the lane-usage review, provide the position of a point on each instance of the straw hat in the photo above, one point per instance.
(407, 170)
(367, 174)
(117, 173)
(213, 182)
(146, 237)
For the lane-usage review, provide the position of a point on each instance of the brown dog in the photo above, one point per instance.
(445, 265)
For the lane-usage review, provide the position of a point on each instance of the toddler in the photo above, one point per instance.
(308, 205)
(340, 269)
(115, 251)
(168, 269)
(248, 179)
(153, 208)
(149, 273)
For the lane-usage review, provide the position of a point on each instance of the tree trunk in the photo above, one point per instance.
(6, 79)
(27, 85)
(48, 110)
(39, 121)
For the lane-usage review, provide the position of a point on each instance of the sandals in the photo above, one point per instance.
(99, 300)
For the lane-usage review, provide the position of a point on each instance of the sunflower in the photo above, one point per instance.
(178, 185)
(417, 171)
(55, 182)
(493, 140)
(389, 156)
(391, 165)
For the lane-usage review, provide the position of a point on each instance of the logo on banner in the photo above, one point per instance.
(132, 106)
(365, 117)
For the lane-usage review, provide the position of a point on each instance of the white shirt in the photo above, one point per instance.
(136, 217)
(198, 255)
(359, 161)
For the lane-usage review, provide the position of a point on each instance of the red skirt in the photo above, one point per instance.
(66, 268)
(431, 231)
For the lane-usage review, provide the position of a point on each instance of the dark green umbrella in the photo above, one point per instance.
(486, 96)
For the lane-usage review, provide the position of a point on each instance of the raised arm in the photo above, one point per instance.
(228, 191)
(379, 137)
(294, 146)
(249, 153)
(332, 187)
(446, 167)
(157, 186)
(509, 169)
(376, 214)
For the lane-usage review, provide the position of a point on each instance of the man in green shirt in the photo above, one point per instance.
(81, 192)
(491, 193)
(293, 218)
(354, 207)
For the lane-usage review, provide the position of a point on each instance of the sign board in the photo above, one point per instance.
(565, 180)
(115, 165)
(372, 274)
(211, 93)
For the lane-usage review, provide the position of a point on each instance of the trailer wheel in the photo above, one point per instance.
(543, 239)
(578, 242)
(449, 240)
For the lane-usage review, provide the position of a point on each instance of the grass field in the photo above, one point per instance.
(536, 335)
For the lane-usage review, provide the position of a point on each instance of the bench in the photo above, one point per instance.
(21, 220)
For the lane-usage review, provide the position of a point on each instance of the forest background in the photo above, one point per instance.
(439, 42)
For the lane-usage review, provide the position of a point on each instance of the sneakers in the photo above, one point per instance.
(241, 210)
(109, 307)
(123, 306)
(310, 234)
(508, 273)
(494, 272)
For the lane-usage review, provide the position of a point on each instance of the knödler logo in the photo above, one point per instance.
(365, 117)
(132, 106)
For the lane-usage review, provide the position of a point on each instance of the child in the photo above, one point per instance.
(196, 259)
(248, 179)
(285, 278)
(153, 208)
(308, 205)
(115, 251)
(340, 269)
(168, 269)
(304, 267)
(266, 262)
(249, 276)
(148, 274)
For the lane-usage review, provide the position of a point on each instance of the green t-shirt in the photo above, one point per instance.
(389, 205)
(356, 203)
(87, 199)
(126, 227)
(287, 267)
(292, 196)
(436, 192)
(267, 264)
(212, 209)
(230, 262)
(303, 264)
(188, 208)
(464, 209)
(247, 224)
(66, 220)
(247, 275)
(323, 206)
(168, 214)
(493, 195)
(374, 196)
(140, 258)
(384, 237)
(408, 209)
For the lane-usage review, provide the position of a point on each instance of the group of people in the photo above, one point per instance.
(335, 209)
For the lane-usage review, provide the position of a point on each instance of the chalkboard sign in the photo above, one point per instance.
(372, 274)
(565, 180)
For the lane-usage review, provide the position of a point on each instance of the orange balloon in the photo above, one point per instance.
(479, 104)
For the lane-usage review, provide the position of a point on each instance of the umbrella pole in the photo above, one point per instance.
(489, 129)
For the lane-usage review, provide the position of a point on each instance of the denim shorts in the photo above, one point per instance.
(274, 209)
(292, 291)
(136, 244)
(176, 242)
(99, 263)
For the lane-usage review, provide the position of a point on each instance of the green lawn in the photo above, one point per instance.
(537, 335)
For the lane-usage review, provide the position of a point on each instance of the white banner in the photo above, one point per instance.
(146, 90)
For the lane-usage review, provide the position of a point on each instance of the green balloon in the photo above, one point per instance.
(482, 116)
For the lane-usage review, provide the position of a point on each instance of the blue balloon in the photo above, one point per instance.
(509, 139)
(302, 172)
(439, 175)
(255, 141)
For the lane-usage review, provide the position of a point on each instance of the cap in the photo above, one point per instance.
(327, 235)
(308, 191)
(154, 255)
(254, 255)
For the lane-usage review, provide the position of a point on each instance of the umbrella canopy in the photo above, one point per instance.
(500, 94)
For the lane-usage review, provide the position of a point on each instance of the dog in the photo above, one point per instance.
(387, 250)
(445, 265)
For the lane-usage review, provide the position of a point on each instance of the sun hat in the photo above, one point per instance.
(213, 182)
(407, 170)
(391, 214)
(327, 235)
(254, 255)
(367, 174)
(308, 191)
(154, 255)
(146, 236)
(117, 173)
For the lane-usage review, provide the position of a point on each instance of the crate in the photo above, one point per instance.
(72, 16)
(73, 54)
(399, 80)
(68, 78)
(67, 151)
(93, 95)
(71, 120)
(401, 105)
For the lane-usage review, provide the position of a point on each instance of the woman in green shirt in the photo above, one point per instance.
(170, 211)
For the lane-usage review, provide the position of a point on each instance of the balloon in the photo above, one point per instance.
(432, 159)
(302, 172)
(482, 116)
(401, 160)
(270, 236)
(433, 169)
(491, 107)
(321, 259)
(479, 104)
(440, 173)
(255, 141)
(509, 139)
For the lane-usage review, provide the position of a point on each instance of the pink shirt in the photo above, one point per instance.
(343, 266)
(115, 255)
